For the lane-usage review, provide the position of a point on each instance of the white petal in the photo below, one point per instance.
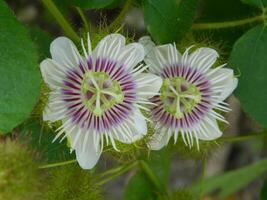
(226, 80)
(140, 126)
(231, 86)
(113, 47)
(162, 56)
(159, 140)
(211, 130)
(64, 52)
(88, 155)
(203, 58)
(135, 126)
(55, 109)
(52, 74)
(147, 82)
(87, 159)
(131, 55)
(147, 43)
(109, 47)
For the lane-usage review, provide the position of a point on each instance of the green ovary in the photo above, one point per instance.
(179, 97)
(100, 92)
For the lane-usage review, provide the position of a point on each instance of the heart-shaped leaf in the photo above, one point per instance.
(168, 21)
(249, 56)
(20, 77)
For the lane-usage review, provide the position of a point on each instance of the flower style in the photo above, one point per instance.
(191, 94)
(97, 97)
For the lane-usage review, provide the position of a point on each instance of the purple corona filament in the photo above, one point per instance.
(73, 95)
(192, 76)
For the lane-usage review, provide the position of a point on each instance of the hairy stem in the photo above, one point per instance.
(116, 172)
(119, 18)
(49, 4)
(228, 24)
(57, 164)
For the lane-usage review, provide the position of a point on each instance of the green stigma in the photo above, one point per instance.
(179, 97)
(100, 92)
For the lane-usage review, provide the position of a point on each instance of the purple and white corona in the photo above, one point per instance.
(98, 96)
(191, 94)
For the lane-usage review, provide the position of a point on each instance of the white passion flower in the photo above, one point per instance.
(97, 97)
(191, 94)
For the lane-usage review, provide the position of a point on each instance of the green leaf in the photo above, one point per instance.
(159, 164)
(168, 21)
(263, 195)
(20, 77)
(257, 3)
(97, 4)
(139, 188)
(41, 140)
(42, 40)
(232, 181)
(249, 56)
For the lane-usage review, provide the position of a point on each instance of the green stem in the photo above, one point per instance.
(119, 18)
(85, 22)
(116, 172)
(228, 24)
(154, 180)
(111, 171)
(49, 4)
(57, 164)
(242, 138)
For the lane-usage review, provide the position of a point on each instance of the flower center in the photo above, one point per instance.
(100, 92)
(179, 97)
